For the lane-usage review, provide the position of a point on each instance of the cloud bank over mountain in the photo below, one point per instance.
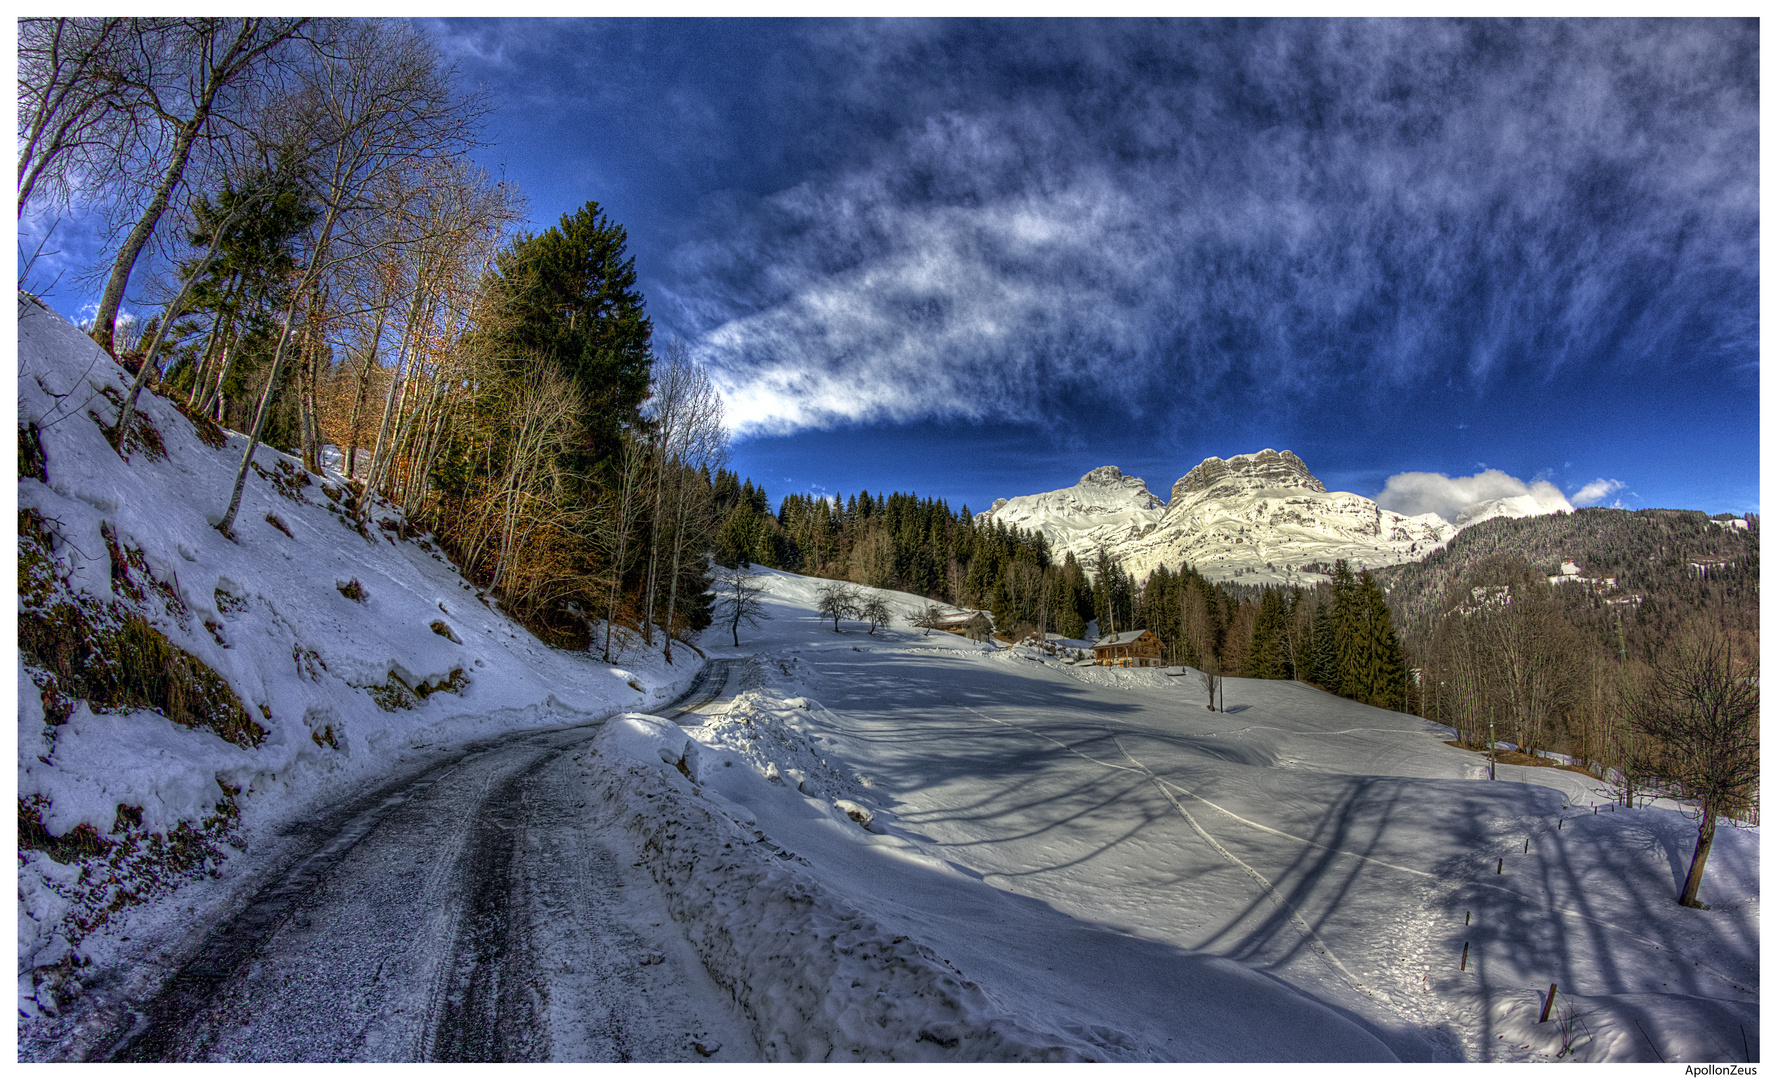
(1453, 497)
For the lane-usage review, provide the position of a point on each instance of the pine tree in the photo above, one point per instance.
(1267, 658)
(1345, 631)
(1324, 649)
(568, 294)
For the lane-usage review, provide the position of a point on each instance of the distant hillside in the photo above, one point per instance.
(1661, 560)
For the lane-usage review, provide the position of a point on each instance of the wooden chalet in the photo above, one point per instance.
(1130, 648)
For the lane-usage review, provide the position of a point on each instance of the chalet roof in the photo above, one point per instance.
(1124, 637)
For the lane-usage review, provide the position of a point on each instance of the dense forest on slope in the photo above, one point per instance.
(1476, 634)
(1671, 559)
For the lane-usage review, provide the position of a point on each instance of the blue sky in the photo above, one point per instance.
(977, 259)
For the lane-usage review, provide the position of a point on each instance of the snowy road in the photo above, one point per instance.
(469, 913)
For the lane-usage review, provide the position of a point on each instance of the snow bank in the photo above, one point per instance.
(347, 654)
(820, 979)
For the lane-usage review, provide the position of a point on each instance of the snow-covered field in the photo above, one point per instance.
(270, 615)
(910, 845)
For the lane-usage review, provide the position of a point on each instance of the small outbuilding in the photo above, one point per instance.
(1129, 648)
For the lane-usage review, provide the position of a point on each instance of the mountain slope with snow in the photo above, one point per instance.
(182, 694)
(1105, 508)
(1263, 518)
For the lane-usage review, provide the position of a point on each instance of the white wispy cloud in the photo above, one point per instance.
(1596, 491)
(1348, 204)
(1453, 497)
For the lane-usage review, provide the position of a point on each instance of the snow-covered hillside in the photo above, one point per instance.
(1262, 518)
(911, 846)
(301, 660)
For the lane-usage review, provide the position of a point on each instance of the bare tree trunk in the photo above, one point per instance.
(306, 398)
(1699, 860)
(200, 377)
(409, 340)
(217, 72)
(363, 390)
(226, 525)
(214, 399)
(631, 463)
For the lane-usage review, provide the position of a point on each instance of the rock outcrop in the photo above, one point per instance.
(1247, 472)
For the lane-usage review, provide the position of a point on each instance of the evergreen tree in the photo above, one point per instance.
(568, 294)
(1267, 658)
(1345, 635)
(1324, 648)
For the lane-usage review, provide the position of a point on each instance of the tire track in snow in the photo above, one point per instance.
(1314, 940)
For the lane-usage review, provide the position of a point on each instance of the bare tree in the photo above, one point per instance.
(180, 70)
(380, 100)
(743, 602)
(931, 618)
(69, 75)
(1703, 714)
(1209, 674)
(546, 409)
(702, 446)
(616, 524)
(836, 600)
(874, 610)
(452, 219)
(979, 628)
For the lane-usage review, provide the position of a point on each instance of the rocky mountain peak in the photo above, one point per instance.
(1103, 476)
(1243, 472)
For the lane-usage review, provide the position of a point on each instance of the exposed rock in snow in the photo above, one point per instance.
(1247, 472)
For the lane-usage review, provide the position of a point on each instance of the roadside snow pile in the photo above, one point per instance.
(821, 980)
(767, 730)
(180, 692)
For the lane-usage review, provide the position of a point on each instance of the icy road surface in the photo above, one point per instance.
(469, 913)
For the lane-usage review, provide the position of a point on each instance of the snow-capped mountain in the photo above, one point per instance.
(1261, 517)
(1105, 507)
(1512, 506)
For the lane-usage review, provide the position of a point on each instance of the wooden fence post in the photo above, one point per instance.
(1549, 1004)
